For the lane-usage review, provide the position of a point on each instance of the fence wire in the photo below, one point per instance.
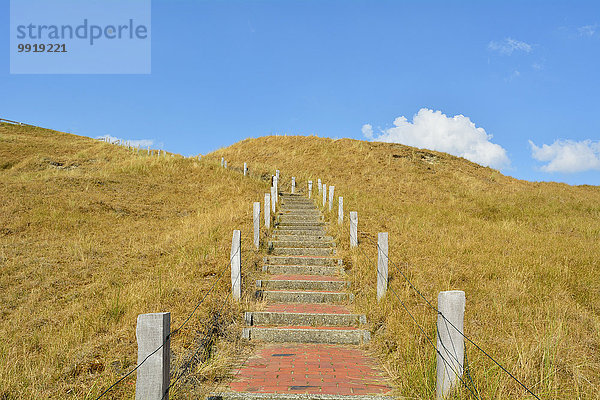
(447, 322)
(173, 332)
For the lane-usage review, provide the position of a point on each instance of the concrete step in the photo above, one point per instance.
(299, 199)
(302, 237)
(303, 251)
(301, 232)
(298, 227)
(301, 224)
(277, 244)
(294, 396)
(302, 270)
(299, 212)
(297, 206)
(299, 218)
(302, 296)
(300, 260)
(330, 335)
(296, 284)
(303, 319)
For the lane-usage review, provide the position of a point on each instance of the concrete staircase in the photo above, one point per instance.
(307, 335)
(305, 291)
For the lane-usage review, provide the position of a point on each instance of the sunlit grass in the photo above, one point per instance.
(526, 254)
(91, 235)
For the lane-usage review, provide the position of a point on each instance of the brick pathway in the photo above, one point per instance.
(310, 368)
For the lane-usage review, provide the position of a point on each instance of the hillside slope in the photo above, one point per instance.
(526, 254)
(91, 235)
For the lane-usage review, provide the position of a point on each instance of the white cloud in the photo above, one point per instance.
(515, 74)
(367, 130)
(587, 30)
(508, 46)
(568, 155)
(132, 142)
(455, 135)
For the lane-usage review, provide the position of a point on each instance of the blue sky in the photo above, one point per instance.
(524, 72)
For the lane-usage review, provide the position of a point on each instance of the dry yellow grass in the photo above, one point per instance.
(526, 254)
(91, 235)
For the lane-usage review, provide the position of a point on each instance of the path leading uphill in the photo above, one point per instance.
(309, 339)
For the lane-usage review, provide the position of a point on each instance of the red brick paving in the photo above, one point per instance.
(305, 291)
(338, 328)
(310, 368)
(324, 278)
(301, 256)
(308, 308)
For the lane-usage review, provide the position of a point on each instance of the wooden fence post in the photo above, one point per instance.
(340, 210)
(152, 332)
(331, 190)
(309, 189)
(245, 169)
(450, 341)
(382, 264)
(267, 210)
(324, 187)
(273, 199)
(236, 265)
(353, 228)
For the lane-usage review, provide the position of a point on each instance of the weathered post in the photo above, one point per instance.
(309, 189)
(273, 199)
(276, 184)
(319, 185)
(152, 332)
(245, 169)
(225, 164)
(293, 184)
(236, 265)
(450, 341)
(256, 223)
(331, 190)
(267, 210)
(222, 161)
(277, 174)
(324, 187)
(148, 150)
(353, 228)
(340, 210)
(158, 154)
(382, 264)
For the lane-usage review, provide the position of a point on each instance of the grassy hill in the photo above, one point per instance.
(91, 235)
(526, 254)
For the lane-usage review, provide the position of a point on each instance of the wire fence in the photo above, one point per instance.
(8, 121)
(175, 331)
(472, 389)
